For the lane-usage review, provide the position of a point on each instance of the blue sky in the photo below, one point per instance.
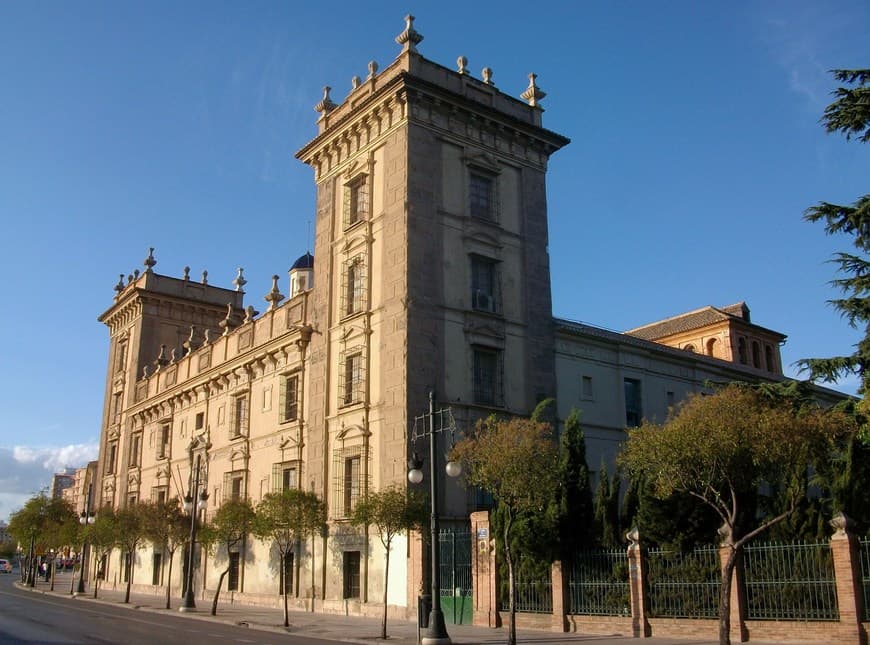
(123, 125)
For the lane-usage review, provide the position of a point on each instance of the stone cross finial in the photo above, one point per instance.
(487, 75)
(274, 296)
(410, 38)
(533, 93)
(325, 105)
(462, 64)
(240, 280)
(149, 262)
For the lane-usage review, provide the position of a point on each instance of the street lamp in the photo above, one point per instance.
(436, 633)
(189, 602)
(86, 518)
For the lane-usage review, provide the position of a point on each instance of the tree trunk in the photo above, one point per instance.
(725, 598)
(169, 580)
(72, 584)
(386, 582)
(51, 571)
(512, 585)
(218, 591)
(129, 578)
(284, 588)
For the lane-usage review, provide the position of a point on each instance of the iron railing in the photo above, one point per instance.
(790, 581)
(684, 585)
(598, 583)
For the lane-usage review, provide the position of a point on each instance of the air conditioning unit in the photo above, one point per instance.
(483, 301)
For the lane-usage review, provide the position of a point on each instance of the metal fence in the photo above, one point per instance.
(598, 583)
(864, 557)
(456, 579)
(684, 585)
(533, 596)
(790, 581)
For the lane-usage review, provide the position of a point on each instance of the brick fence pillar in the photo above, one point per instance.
(737, 617)
(847, 570)
(637, 585)
(483, 572)
(560, 597)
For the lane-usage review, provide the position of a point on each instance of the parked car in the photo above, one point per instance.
(5, 566)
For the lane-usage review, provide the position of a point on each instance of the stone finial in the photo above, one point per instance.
(240, 280)
(149, 262)
(487, 76)
(175, 355)
(130, 278)
(146, 371)
(410, 38)
(274, 296)
(533, 93)
(135, 274)
(633, 537)
(120, 286)
(842, 524)
(462, 65)
(205, 277)
(250, 312)
(227, 323)
(355, 83)
(161, 357)
(206, 336)
(190, 344)
(373, 69)
(186, 275)
(325, 105)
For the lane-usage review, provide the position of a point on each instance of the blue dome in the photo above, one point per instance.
(305, 262)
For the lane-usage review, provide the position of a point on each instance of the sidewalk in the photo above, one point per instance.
(349, 629)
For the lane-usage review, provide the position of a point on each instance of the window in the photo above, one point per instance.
(768, 358)
(290, 398)
(586, 388)
(484, 284)
(164, 441)
(351, 383)
(239, 420)
(756, 354)
(200, 420)
(487, 376)
(351, 574)
(121, 357)
(132, 499)
(741, 350)
(233, 575)
(351, 483)
(481, 196)
(136, 449)
(156, 562)
(633, 410)
(669, 398)
(286, 575)
(116, 408)
(353, 286)
(234, 486)
(349, 478)
(356, 201)
(111, 457)
(285, 476)
(160, 494)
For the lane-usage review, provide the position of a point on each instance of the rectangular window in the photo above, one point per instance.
(159, 494)
(116, 408)
(286, 575)
(136, 449)
(484, 284)
(356, 201)
(669, 398)
(200, 420)
(290, 398)
(351, 574)
(233, 575)
(351, 383)
(586, 388)
(164, 441)
(132, 499)
(111, 457)
(353, 286)
(481, 194)
(285, 476)
(633, 409)
(156, 562)
(234, 486)
(239, 421)
(351, 483)
(487, 376)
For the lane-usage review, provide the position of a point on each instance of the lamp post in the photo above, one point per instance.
(194, 502)
(87, 517)
(436, 632)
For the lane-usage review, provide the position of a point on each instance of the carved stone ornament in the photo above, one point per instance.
(325, 105)
(149, 262)
(240, 281)
(410, 37)
(842, 524)
(533, 93)
(487, 76)
(462, 65)
(633, 537)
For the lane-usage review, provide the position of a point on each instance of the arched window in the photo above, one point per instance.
(689, 348)
(713, 347)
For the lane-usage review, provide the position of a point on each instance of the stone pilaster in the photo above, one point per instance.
(637, 585)
(484, 572)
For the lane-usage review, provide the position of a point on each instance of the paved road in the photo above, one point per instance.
(26, 617)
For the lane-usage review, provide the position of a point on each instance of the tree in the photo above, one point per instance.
(849, 114)
(42, 522)
(168, 529)
(515, 460)
(391, 511)
(606, 508)
(574, 498)
(130, 535)
(714, 447)
(101, 536)
(285, 518)
(229, 527)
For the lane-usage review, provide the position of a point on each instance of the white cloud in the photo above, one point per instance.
(57, 458)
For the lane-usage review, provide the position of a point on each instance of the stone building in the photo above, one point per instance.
(430, 273)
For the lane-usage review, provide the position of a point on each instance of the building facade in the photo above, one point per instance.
(430, 273)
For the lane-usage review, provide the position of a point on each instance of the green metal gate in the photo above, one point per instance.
(455, 561)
